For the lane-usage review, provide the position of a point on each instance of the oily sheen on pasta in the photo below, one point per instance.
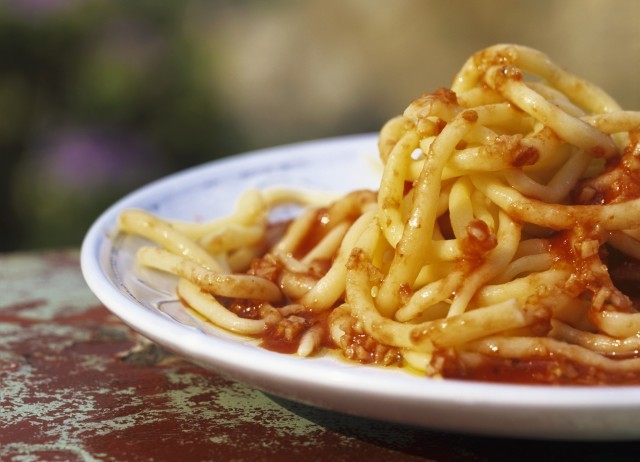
(502, 244)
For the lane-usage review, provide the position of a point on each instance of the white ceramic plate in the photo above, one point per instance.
(146, 302)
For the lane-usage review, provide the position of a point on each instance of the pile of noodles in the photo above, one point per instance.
(503, 242)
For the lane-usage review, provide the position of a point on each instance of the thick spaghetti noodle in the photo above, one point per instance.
(503, 242)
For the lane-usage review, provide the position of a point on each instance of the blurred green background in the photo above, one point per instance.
(99, 97)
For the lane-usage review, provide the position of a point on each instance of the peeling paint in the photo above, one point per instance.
(77, 385)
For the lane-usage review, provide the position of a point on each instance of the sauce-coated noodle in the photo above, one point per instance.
(502, 243)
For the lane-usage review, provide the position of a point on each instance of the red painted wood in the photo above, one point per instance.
(76, 384)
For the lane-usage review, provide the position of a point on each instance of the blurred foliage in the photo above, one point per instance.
(97, 98)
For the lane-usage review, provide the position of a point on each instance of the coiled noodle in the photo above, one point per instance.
(503, 242)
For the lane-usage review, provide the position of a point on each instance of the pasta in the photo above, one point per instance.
(503, 242)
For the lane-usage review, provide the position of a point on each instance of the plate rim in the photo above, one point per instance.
(369, 383)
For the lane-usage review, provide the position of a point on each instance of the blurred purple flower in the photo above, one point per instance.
(84, 160)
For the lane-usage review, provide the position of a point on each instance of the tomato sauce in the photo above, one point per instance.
(534, 371)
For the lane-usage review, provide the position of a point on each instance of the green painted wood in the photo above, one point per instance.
(78, 385)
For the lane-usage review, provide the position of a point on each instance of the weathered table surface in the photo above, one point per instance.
(76, 384)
